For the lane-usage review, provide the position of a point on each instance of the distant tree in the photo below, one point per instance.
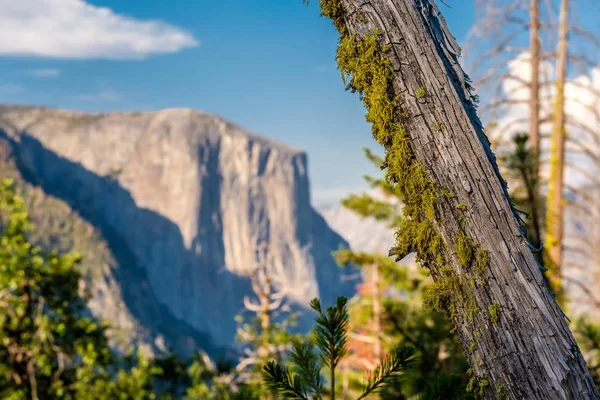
(266, 335)
(47, 348)
(520, 164)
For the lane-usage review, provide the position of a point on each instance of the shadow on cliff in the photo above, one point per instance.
(99, 200)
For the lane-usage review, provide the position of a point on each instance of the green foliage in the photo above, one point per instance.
(303, 379)
(50, 350)
(521, 169)
(445, 387)
(399, 359)
(587, 335)
(46, 347)
(331, 334)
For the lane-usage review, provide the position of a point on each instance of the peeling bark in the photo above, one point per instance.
(527, 351)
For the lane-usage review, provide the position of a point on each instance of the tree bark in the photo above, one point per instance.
(534, 101)
(554, 218)
(527, 351)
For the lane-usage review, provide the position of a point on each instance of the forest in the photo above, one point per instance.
(502, 217)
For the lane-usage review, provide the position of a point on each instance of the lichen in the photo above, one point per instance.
(420, 93)
(493, 312)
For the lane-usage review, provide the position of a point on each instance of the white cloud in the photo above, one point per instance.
(44, 72)
(580, 101)
(77, 30)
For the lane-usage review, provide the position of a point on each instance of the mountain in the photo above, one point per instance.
(362, 234)
(172, 210)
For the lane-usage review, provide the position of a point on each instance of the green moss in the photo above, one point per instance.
(478, 333)
(361, 17)
(500, 391)
(472, 384)
(447, 194)
(472, 346)
(483, 383)
(477, 383)
(333, 10)
(438, 295)
(493, 312)
(482, 260)
(420, 93)
(461, 207)
(464, 249)
(437, 126)
(473, 309)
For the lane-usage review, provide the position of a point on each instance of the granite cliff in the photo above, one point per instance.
(170, 209)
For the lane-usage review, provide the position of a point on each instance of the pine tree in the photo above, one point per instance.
(302, 378)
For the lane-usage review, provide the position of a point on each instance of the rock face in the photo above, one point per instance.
(362, 234)
(184, 201)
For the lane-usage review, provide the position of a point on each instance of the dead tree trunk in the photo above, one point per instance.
(554, 217)
(400, 56)
(534, 101)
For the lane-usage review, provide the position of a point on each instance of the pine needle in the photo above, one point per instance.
(400, 358)
(307, 367)
(282, 382)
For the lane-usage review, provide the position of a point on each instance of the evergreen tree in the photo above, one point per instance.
(47, 348)
(302, 377)
(521, 168)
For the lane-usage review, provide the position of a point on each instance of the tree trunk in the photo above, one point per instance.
(534, 101)
(554, 216)
(510, 327)
(376, 295)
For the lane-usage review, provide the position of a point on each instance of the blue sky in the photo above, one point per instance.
(267, 65)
